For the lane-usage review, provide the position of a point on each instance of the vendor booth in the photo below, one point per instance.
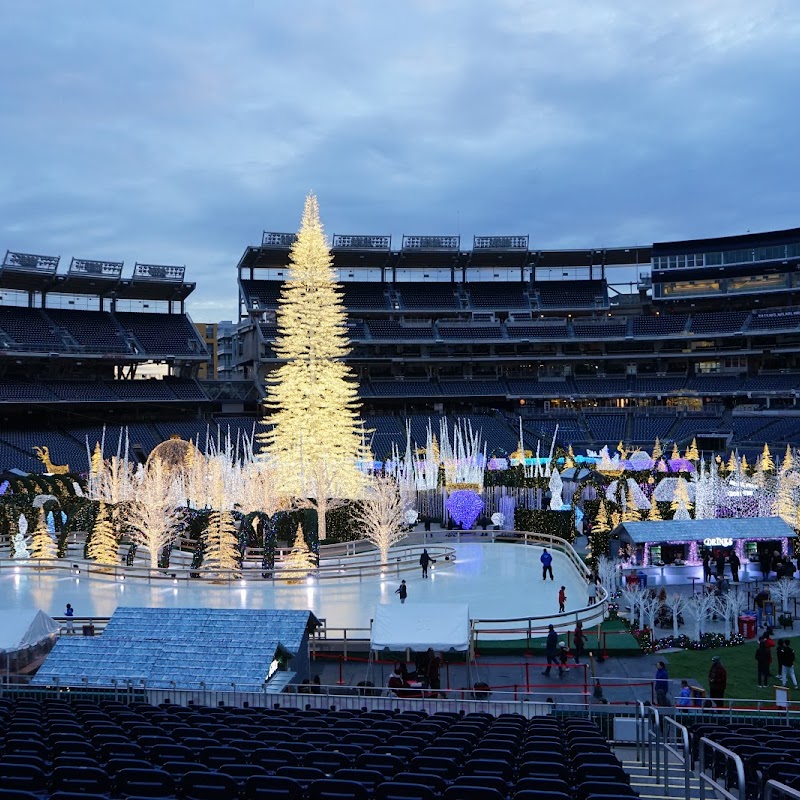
(685, 542)
(444, 627)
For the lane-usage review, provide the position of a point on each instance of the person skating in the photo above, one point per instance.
(562, 599)
(551, 645)
(424, 561)
(402, 590)
(547, 565)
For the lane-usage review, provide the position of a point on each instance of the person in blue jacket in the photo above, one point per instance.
(662, 685)
(547, 565)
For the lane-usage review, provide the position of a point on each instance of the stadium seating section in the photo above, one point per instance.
(659, 325)
(66, 331)
(428, 295)
(470, 332)
(390, 329)
(78, 391)
(718, 322)
(108, 749)
(572, 294)
(499, 295)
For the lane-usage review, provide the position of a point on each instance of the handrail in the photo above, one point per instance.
(709, 780)
(683, 732)
(772, 786)
(652, 735)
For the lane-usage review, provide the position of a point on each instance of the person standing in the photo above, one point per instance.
(563, 658)
(717, 681)
(424, 560)
(735, 563)
(662, 685)
(762, 664)
(580, 642)
(760, 599)
(69, 614)
(434, 666)
(786, 662)
(686, 694)
(765, 564)
(547, 565)
(592, 591)
(562, 599)
(706, 567)
(402, 590)
(720, 566)
(550, 647)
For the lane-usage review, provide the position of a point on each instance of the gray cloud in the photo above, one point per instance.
(175, 132)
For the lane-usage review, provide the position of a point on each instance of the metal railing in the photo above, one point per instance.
(677, 745)
(774, 789)
(709, 780)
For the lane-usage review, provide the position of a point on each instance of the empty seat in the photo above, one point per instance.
(404, 791)
(22, 777)
(144, 783)
(79, 779)
(272, 787)
(461, 792)
(198, 785)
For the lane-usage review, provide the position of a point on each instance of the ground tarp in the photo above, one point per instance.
(442, 626)
(21, 628)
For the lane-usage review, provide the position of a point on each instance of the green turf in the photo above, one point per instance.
(740, 663)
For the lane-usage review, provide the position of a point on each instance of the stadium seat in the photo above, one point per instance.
(208, 786)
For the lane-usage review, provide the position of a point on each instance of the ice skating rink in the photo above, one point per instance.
(497, 581)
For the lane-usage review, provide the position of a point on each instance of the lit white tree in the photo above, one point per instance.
(676, 603)
(785, 589)
(154, 515)
(700, 608)
(729, 606)
(649, 606)
(381, 515)
(221, 550)
(633, 598)
(607, 572)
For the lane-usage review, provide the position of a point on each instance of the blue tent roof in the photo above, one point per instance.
(695, 530)
(179, 647)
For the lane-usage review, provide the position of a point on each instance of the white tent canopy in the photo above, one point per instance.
(442, 626)
(21, 628)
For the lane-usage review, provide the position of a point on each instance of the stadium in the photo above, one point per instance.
(701, 341)
(696, 350)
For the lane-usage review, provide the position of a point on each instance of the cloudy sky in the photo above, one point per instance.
(175, 132)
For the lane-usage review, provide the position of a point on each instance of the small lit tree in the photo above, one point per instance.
(649, 606)
(299, 562)
(632, 596)
(766, 463)
(729, 606)
(788, 460)
(676, 454)
(221, 546)
(631, 513)
(654, 515)
(607, 572)
(692, 453)
(657, 450)
(381, 515)
(103, 546)
(42, 545)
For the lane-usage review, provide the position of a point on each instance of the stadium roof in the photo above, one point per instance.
(695, 530)
(744, 241)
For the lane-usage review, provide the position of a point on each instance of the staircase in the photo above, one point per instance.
(647, 786)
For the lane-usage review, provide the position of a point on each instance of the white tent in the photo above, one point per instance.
(21, 628)
(442, 626)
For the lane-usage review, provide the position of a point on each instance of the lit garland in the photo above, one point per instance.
(707, 641)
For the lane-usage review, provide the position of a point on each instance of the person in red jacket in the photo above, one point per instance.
(562, 598)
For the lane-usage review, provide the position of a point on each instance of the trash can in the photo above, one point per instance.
(747, 626)
(642, 579)
(631, 580)
(88, 630)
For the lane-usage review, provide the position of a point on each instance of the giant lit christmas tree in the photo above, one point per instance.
(315, 441)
